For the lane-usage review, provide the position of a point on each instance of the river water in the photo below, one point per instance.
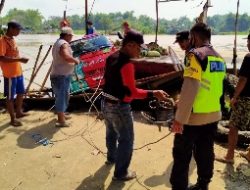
(29, 46)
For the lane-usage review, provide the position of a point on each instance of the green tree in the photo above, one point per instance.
(244, 23)
(112, 22)
(229, 23)
(76, 22)
(31, 19)
(216, 23)
(144, 23)
(52, 24)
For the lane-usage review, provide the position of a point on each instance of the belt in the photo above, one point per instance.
(114, 101)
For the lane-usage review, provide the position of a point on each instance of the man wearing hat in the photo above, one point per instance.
(62, 69)
(240, 104)
(118, 92)
(183, 41)
(10, 61)
(195, 122)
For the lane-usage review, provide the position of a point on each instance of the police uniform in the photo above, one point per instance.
(199, 111)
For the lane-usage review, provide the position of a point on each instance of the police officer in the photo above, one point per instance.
(198, 111)
(183, 40)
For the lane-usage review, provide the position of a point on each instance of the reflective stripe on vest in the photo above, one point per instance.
(207, 99)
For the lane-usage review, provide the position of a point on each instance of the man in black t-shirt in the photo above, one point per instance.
(240, 104)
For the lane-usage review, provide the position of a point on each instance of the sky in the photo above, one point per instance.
(167, 10)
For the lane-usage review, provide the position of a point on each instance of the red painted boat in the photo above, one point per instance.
(93, 51)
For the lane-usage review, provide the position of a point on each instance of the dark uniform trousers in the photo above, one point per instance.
(198, 140)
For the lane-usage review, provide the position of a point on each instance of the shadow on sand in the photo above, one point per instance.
(163, 179)
(28, 138)
(97, 181)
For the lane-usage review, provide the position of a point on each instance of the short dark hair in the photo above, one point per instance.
(202, 30)
(133, 36)
(89, 22)
(14, 24)
(180, 36)
(125, 23)
(62, 35)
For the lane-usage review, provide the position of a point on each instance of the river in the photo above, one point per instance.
(29, 46)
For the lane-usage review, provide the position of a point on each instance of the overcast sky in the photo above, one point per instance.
(167, 10)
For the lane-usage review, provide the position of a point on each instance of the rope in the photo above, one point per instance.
(137, 181)
(198, 4)
(165, 136)
(91, 8)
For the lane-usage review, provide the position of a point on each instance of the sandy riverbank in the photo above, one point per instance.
(73, 163)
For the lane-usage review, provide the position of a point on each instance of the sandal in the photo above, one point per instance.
(16, 123)
(62, 124)
(224, 160)
(245, 155)
(130, 175)
(67, 117)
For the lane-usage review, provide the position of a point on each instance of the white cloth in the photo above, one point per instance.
(59, 65)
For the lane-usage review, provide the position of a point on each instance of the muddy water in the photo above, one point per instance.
(29, 46)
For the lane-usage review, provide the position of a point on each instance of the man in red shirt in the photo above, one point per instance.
(119, 90)
(10, 61)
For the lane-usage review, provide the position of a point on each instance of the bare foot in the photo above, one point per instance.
(245, 155)
(16, 123)
(20, 115)
(225, 160)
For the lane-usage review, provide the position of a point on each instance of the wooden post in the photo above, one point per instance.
(38, 68)
(86, 15)
(46, 78)
(37, 58)
(34, 68)
(157, 21)
(157, 15)
(234, 61)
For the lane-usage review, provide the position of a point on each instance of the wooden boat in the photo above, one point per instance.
(93, 51)
(87, 79)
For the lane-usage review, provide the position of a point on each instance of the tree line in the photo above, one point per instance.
(34, 22)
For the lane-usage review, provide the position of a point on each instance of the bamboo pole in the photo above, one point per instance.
(157, 15)
(46, 78)
(86, 15)
(234, 61)
(157, 20)
(34, 68)
(38, 68)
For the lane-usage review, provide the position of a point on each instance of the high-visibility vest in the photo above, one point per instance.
(207, 99)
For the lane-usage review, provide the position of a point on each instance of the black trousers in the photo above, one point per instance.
(198, 140)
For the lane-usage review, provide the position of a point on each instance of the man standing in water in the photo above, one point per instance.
(196, 118)
(119, 90)
(62, 69)
(10, 61)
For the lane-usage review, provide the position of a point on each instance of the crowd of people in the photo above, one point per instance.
(198, 108)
